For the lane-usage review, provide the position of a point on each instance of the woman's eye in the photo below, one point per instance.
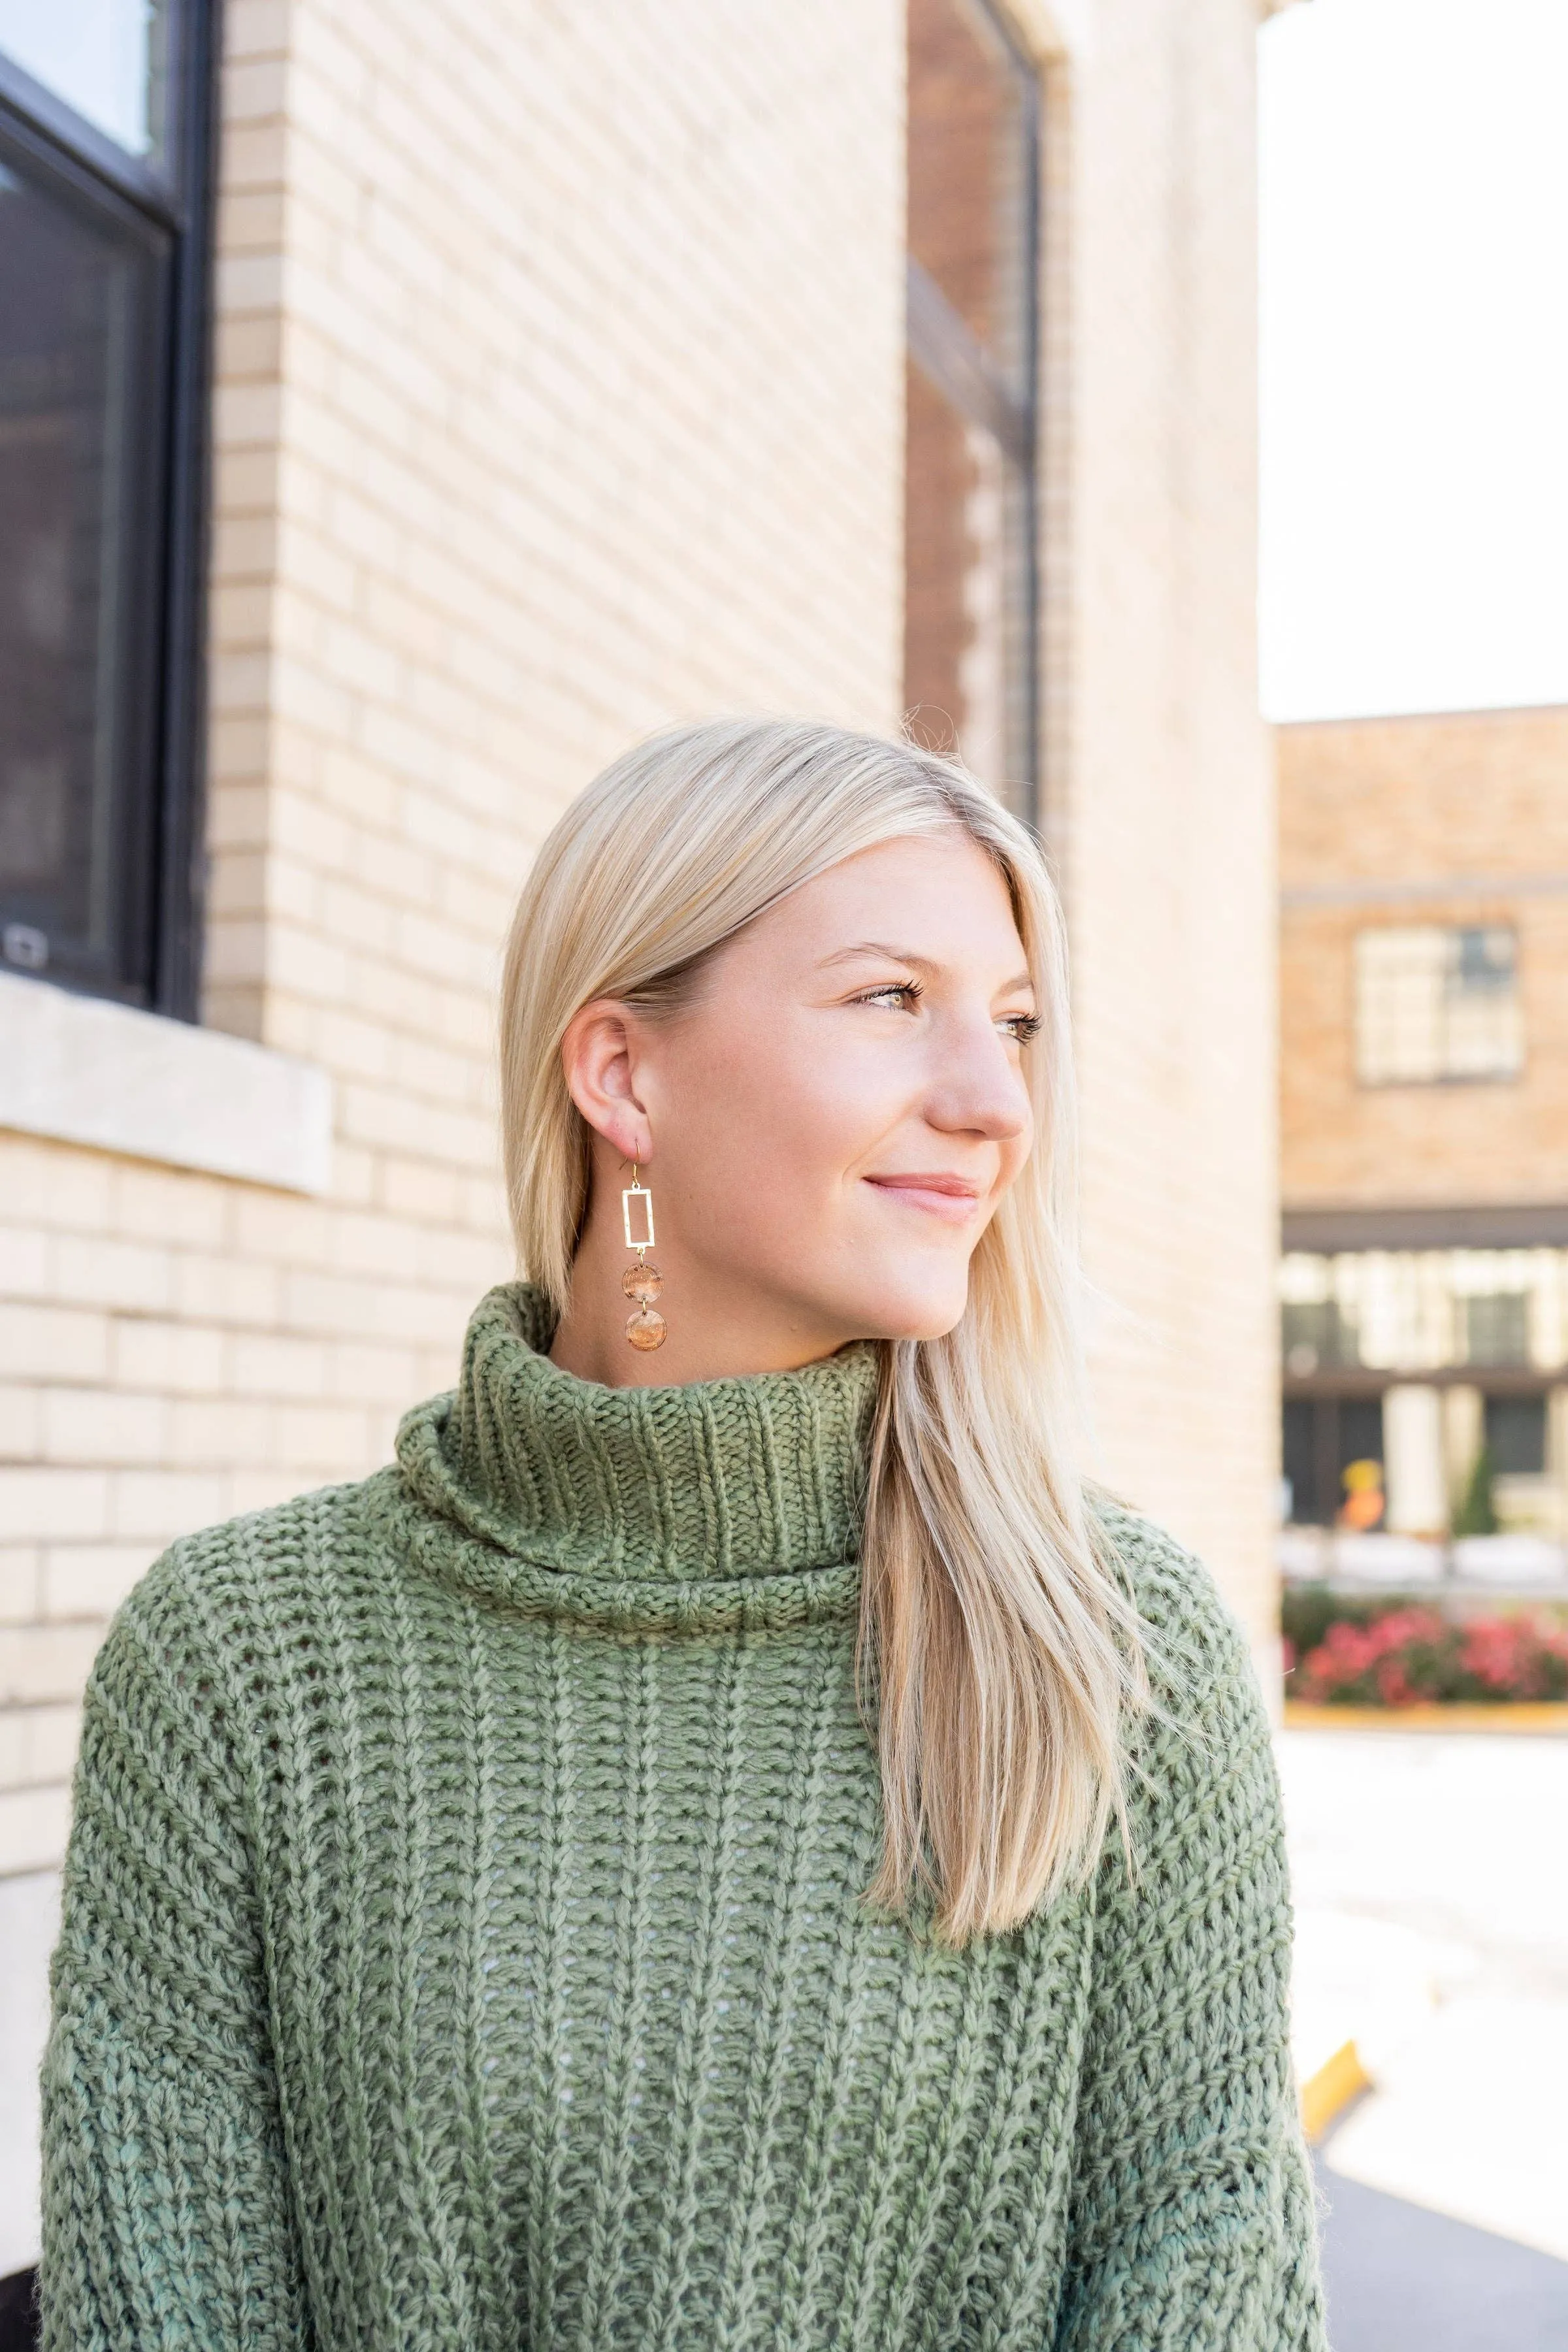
(1022, 1026)
(898, 994)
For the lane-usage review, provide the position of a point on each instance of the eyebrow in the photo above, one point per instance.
(908, 955)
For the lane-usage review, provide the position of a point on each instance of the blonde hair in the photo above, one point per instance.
(995, 1640)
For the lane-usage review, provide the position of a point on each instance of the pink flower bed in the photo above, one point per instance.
(1409, 1657)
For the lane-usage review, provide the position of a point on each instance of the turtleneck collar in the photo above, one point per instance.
(714, 1504)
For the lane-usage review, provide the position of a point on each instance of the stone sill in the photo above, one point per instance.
(80, 1070)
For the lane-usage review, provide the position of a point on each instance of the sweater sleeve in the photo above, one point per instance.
(167, 2219)
(1194, 2227)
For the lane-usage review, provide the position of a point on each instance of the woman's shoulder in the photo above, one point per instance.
(1203, 1824)
(219, 1602)
(1207, 1703)
(1174, 1591)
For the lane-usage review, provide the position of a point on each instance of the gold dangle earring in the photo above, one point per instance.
(646, 1326)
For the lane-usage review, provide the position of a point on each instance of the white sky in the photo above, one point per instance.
(1415, 356)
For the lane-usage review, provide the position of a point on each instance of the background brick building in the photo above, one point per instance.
(1425, 1128)
(559, 379)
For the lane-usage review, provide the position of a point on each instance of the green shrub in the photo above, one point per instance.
(1477, 1515)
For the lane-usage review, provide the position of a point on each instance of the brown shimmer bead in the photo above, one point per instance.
(645, 1328)
(643, 1282)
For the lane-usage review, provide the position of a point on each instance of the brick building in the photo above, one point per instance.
(557, 384)
(1424, 1046)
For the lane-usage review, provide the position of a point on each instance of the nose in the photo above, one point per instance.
(978, 1087)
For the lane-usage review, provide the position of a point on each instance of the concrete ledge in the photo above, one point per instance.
(80, 1070)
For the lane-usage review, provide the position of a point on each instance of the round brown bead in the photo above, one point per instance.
(645, 1328)
(644, 1282)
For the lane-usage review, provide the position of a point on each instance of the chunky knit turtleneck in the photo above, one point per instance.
(724, 1504)
(463, 1943)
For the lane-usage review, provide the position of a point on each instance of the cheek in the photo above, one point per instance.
(763, 1122)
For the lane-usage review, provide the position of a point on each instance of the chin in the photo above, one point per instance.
(895, 1315)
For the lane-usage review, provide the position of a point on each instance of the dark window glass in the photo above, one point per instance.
(1497, 1329)
(1360, 1435)
(1323, 1436)
(79, 297)
(971, 619)
(1516, 1435)
(1485, 962)
(1301, 1461)
(1360, 1432)
(101, 397)
(1315, 1336)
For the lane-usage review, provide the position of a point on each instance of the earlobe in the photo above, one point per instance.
(595, 1060)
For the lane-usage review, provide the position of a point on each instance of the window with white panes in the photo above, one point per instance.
(1437, 1002)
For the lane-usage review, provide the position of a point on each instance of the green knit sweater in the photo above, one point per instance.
(463, 1949)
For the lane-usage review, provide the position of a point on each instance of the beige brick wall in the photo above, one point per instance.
(1427, 820)
(176, 1348)
(560, 392)
(1164, 804)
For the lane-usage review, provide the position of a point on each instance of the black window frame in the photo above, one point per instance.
(159, 891)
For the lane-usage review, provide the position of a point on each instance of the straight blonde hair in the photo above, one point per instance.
(997, 1649)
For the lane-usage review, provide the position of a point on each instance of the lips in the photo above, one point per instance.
(951, 1198)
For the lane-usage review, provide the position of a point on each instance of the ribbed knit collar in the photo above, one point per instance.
(717, 1504)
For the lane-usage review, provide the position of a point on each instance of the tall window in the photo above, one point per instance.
(103, 150)
(970, 658)
(1434, 1002)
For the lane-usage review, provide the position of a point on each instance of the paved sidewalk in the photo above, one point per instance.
(1431, 1882)
(1403, 2279)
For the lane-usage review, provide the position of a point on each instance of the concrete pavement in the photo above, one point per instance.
(1431, 1883)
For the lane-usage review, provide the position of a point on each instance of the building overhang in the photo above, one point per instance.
(1528, 1225)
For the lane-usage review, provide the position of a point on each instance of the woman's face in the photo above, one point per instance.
(830, 1121)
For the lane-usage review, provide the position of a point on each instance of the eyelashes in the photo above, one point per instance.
(910, 991)
(1020, 1026)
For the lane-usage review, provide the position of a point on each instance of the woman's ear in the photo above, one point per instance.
(595, 1056)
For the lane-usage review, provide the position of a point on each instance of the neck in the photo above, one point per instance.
(714, 1329)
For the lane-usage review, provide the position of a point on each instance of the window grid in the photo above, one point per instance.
(1413, 1312)
(1438, 1004)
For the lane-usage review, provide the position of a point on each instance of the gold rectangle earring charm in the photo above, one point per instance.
(641, 1282)
(635, 1191)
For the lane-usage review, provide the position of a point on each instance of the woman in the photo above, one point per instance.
(725, 1843)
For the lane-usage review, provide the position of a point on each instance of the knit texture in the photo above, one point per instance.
(463, 1948)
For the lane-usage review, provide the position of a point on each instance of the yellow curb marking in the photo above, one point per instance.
(1516, 1714)
(1329, 2091)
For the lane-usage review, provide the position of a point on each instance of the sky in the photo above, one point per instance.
(1414, 362)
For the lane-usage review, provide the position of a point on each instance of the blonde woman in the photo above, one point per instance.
(726, 1843)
